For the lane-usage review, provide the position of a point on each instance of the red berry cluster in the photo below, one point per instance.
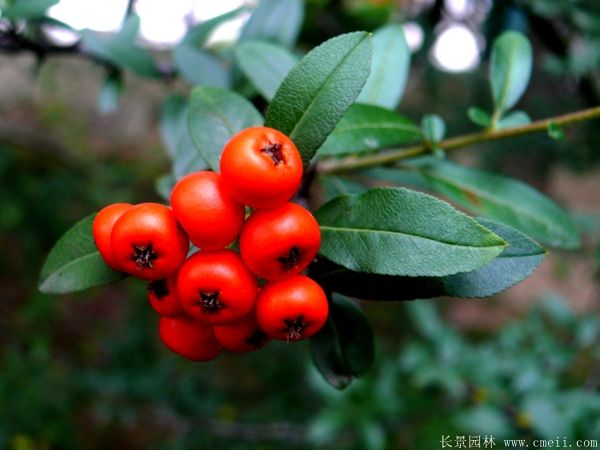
(218, 298)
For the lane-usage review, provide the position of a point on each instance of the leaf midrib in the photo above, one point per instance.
(375, 231)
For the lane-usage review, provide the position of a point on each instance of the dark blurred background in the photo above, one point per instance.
(88, 371)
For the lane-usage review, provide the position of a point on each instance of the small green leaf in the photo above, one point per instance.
(556, 132)
(367, 128)
(389, 68)
(319, 90)
(29, 9)
(356, 336)
(265, 64)
(513, 119)
(108, 97)
(173, 122)
(120, 49)
(393, 231)
(510, 69)
(214, 116)
(327, 356)
(164, 185)
(518, 260)
(74, 263)
(275, 20)
(344, 349)
(506, 200)
(479, 117)
(200, 67)
(434, 128)
(199, 34)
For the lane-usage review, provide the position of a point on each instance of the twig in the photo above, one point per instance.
(351, 163)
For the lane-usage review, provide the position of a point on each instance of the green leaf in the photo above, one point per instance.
(479, 117)
(556, 132)
(510, 69)
(275, 20)
(164, 185)
(173, 122)
(518, 260)
(504, 199)
(335, 185)
(434, 128)
(395, 231)
(187, 157)
(74, 263)
(120, 49)
(199, 34)
(513, 119)
(108, 97)
(319, 90)
(265, 64)
(344, 349)
(29, 9)
(214, 116)
(366, 128)
(199, 66)
(389, 68)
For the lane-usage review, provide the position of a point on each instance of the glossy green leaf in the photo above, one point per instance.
(344, 349)
(434, 128)
(214, 116)
(510, 69)
(266, 65)
(396, 231)
(389, 68)
(518, 260)
(200, 67)
(367, 128)
(28, 9)
(110, 93)
(479, 117)
(275, 20)
(555, 132)
(199, 34)
(173, 122)
(506, 200)
(319, 90)
(120, 49)
(513, 119)
(74, 263)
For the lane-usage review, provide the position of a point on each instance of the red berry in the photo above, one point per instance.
(241, 336)
(188, 338)
(215, 287)
(261, 167)
(102, 230)
(291, 309)
(162, 295)
(205, 209)
(279, 242)
(147, 242)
